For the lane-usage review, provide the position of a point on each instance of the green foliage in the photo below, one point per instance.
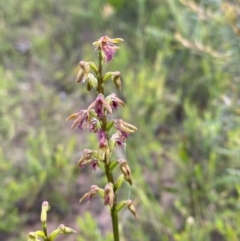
(89, 229)
(15, 192)
(35, 171)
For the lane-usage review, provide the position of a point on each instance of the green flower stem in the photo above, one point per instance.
(100, 87)
(113, 212)
(115, 223)
(108, 172)
(44, 228)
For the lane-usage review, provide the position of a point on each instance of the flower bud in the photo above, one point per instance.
(130, 206)
(32, 237)
(117, 80)
(45, 209)
(82, 73)
(66, 230)
(86, 157)
(125, 169)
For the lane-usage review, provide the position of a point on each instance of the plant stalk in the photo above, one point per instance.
(44, 227)
(115, 223)
(108, 172)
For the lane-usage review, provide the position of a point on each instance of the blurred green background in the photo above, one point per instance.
(180, 68)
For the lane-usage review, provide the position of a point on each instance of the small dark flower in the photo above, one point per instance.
(94, 165)
(124, 135)
(86, 158)
(124, 128)
(109, 195)
(118, 139)
(94, 125)
(114, 101)
(102, 138)
(81, 117)
(93, 191)
(99, 105)
(108, 46)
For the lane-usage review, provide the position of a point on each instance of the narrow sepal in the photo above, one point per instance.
(89, 86)
(113, 165)
(92, 81)
(82, 73)
(40, 233)
(101, 154)
(124, 126)
(120, 206)
(80, 76)
(109, 125)
(119, 182)
(107, 154)
(116, 40)
(73, 116)
(101, 192)
(112, 143)
(107, 76)
(54, 234)
(93, 67)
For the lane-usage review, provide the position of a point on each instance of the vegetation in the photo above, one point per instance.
(180, 62)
